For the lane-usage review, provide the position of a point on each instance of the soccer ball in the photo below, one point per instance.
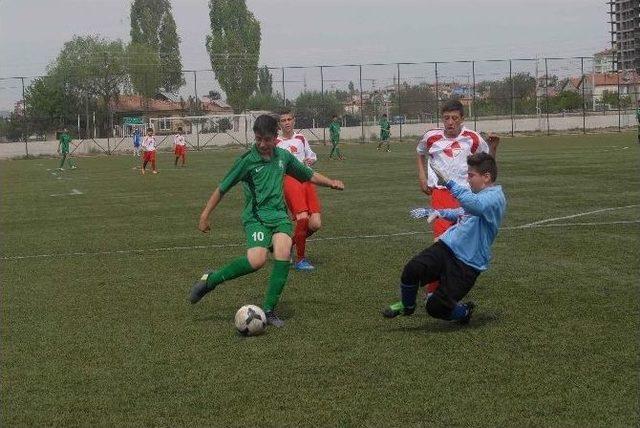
(250, 320)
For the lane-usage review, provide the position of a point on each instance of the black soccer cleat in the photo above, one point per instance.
(273, 319)
(200, 288)
(467, 318)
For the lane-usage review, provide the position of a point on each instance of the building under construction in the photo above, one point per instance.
(625, 33)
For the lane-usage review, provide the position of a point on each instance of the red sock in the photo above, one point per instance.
(300, 237)
(432, 286)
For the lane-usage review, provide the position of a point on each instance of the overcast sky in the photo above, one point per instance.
(305, 32)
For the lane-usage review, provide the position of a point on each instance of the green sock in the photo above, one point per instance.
(277, 280)
(236, 268)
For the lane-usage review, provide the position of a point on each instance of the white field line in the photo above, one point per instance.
(72, 193)
(549, 220)
(331, 238)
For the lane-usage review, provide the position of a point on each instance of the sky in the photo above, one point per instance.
(327, 32)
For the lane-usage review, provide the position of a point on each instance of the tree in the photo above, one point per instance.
(152, 25)
(48, 104)
(565, 101)
(266, 102)
(144, 67)
(314, 105)
(234, 49)
(91, 69)
(352, 88)
(265, 81)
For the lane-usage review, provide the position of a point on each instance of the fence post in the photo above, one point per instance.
(399, 98)
(473, 101)
(546, 93)
(584, 104)
(437, 96)
(361, 105)
(323, 106)
(284, 94)
(619, 106)
(513, 99)
(25, 135)
(196, 101)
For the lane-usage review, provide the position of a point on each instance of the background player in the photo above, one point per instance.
(149, 151)
(302, 198)
(179, 147)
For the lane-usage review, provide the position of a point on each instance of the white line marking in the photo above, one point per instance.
(331, 238)
(549, 220)
(72, 193)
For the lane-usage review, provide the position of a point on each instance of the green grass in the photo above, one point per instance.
(107, 338)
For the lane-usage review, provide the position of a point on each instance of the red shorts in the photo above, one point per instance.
(300, 197)
(180, 150)
(149, 156)
(442, 199)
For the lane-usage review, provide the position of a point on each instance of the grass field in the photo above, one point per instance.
(96, 329)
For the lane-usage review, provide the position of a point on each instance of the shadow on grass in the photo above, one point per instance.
(479, 321)
(226, 314)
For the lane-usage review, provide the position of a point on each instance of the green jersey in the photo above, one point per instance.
(262, 183)
(385, 128)
(334, 130)
(638, 114)
(65, 139)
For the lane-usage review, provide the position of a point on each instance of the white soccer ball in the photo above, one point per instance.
(250, 320)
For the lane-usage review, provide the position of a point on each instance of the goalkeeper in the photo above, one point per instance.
(463, 251)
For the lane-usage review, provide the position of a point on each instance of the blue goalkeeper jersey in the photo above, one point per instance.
(478, 221)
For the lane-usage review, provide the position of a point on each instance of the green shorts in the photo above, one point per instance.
(260, 235)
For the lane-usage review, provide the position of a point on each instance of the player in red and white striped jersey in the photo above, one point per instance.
(302, 198)
(179, 147)
(448, 149)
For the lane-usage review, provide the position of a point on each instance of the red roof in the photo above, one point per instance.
(611, 79)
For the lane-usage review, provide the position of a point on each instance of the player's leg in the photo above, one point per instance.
(145, 161)
(426, 266)
(388, 141)
(279, 273)
(440, 199)
(183, 155)
(294, 195)
(334, 145)
(153, 162)
(258, 242)
(314, 208)
(455, 283)
(62, 159)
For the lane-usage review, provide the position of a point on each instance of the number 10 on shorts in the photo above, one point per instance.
(258, 236)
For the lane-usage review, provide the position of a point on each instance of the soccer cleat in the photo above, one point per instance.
(74, 167)
(397, 308)
(273, 319)
(200, 288)
(470, 307)
(304, 265)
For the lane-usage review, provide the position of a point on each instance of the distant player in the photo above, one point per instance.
(385, 132)
(136, 142)
(463, 251)
(334, 133)
(63, 150)
(179, 147)
(447, 149)
(149, 151)
(301, 198)
(266, 223)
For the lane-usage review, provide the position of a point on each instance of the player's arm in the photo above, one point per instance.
(212, 203)
(489, 143)
(323, 181)
(422, 174)
(235, 174)
(310, 156)
(431, 214)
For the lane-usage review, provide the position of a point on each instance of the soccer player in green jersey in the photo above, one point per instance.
(334, 132)
(265, 219)
(385, 132)
(63, 149)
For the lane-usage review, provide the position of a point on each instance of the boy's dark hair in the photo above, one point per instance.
(335, 116)
(266, 126)
(384, 115)
(483, 163)
(149, 129)
(453, 105)
(179, 128)
(285, 110)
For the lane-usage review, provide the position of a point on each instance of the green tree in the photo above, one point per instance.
(314, 105)
(234, 49)
(565, 101)
(267, 102)
(144, 67)
(93, 70)
(49, 104)
(152, 24)
(610, 99)
(265, 81)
